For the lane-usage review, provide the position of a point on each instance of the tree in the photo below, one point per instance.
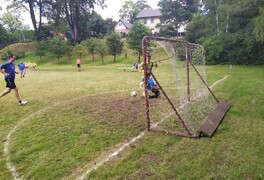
(4, 36)
(177, 13)
(130, 10)
(40, 48)
(79, 50)
(58, 47)
(114, 44)
(12, 22)
(101, 48)
(32, 6)
(90, 44)
(74, 10)
(230, 39)
(259, 25)
(135, 35)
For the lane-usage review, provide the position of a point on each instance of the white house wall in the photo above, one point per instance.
(151, 23)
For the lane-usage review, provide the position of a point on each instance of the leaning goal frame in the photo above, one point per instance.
(204, 130)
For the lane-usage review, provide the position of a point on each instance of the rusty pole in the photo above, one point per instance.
(145, 66)
(187, 71)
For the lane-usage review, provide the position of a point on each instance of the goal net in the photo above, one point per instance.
(185, 100)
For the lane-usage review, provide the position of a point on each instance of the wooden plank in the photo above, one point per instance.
(211, 123)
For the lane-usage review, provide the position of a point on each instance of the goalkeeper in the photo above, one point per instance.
(152, 87)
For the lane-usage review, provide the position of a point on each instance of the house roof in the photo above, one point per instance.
(146, 13)
(126, 24)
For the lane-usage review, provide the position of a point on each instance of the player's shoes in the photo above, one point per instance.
(22, 103)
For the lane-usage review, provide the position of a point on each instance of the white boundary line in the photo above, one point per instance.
(12, 167)
(118, 150)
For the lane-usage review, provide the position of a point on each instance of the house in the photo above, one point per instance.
(150, 17)
(122, 27)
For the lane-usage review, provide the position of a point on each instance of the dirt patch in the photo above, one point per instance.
(122, 110)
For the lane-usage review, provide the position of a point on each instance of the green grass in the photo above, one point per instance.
(71, 121)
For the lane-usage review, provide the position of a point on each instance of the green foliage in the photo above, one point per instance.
(40, 48)
(135, 36)
(21, 54)
(114, 44)
(12, 21)
(259, 25)
(79, 50)
(90, 44)
(101, 48)
(175, 14)
(231, 31)
(5, 54)
(58, 47)
(4, 36)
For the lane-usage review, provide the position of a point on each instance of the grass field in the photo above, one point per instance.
(74, 120)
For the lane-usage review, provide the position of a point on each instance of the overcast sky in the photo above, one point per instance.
(113, 6)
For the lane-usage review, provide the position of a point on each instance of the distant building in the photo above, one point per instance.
(150, 17)
(122, 27)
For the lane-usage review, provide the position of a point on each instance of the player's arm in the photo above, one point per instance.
(3, 72)
(140, 67)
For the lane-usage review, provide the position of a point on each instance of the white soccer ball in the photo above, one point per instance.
(134, 93)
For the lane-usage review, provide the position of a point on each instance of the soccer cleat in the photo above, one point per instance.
(22, 103)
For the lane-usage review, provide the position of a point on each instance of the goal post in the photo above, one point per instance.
(186, 105)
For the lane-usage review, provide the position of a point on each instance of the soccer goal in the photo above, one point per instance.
(186, 105)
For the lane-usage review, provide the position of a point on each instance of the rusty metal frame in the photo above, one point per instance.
(202, 130)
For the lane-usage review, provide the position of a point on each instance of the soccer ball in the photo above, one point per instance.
(134, 93)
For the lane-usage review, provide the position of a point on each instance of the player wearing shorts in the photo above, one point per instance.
(8, 69)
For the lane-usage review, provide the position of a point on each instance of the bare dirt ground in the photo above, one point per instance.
(122, 110)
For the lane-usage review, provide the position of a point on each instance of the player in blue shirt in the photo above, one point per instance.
(152, 87)
(8, 69)
(22, 69)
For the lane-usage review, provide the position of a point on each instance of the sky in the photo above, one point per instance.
(113, 7)
(110, 12)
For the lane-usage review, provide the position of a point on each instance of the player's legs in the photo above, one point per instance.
(24, 73)
(17, 94)
(5, 92)
(21, 73)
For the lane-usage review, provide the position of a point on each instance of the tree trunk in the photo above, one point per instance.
(139, 56)
(227, 20)
(40, 19)
(32, 15)
(216, 18)
(71, 20)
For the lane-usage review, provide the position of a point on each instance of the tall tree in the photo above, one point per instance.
(135, 36)
(238, 23)
(176, 13)
(11, 21)
(36, 9)
(101, 48)
(74, 10)
(114, 44)
(90, 44)
(130, 10)
(259, 25)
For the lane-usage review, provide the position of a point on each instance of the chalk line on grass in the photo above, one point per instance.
(125, 145)
(11, 167)
(6, 141)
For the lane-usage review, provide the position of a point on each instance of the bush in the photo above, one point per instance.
(21, 54)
